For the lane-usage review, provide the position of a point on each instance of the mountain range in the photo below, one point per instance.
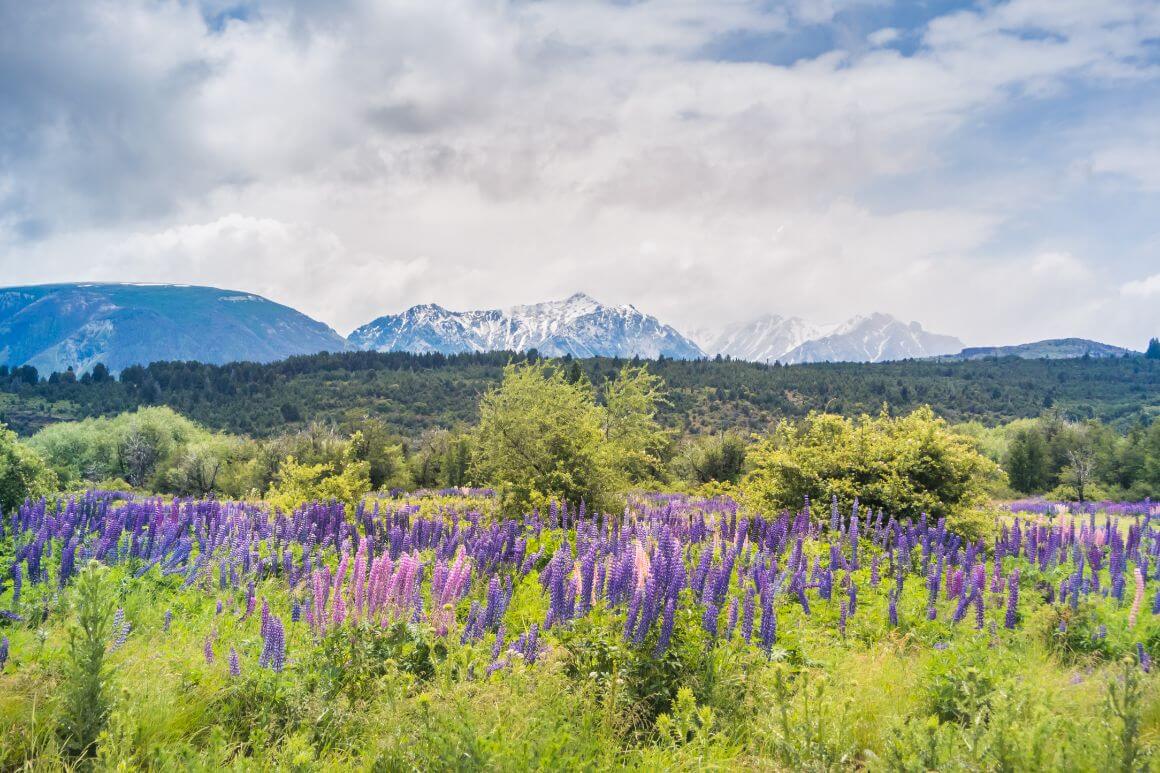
(56, 327)
(578, 325)
(870, 338)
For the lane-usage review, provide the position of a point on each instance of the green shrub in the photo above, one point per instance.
(905, 465)
(23, 473)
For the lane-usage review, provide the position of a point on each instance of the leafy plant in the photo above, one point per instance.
(86, 694)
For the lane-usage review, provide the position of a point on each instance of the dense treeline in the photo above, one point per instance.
(414, 393)
(1068, 460)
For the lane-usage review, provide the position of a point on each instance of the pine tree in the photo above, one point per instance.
(1153, 352)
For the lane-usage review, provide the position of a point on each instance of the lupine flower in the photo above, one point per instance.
(168, 621)
(207, 650)
(3, 651)
(747, 614)
(122, 632)
(1137, 599)
(768, 632)
(1012, 600)
(709, 620)
(666, 628)
(235, 664)
(842, 611)
(892, 610)
(273, 654)
(497, 648)
(1143, 657)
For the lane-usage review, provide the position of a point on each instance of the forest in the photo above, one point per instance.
(413, 393)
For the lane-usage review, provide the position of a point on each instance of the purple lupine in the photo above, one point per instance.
(207, 650)
(1143, 657)
(748, 610)
(122, 632)
(1012, 600)
(666, 628)
(497, 647)
(768, 630)
(892, 610)
(273, 654)
(709, 619)
(731, 625)
(842, 612)
(3, 651)
(17, 582)
(168, 621)
(235, 664)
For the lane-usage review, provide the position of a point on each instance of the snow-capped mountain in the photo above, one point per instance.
(765, 339)
(578, 325)
(874, 338)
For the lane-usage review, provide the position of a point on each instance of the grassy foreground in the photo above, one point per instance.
(685, 635)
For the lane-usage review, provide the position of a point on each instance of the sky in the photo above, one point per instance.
(991, 170)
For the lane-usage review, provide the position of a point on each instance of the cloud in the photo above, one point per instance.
(1142, 288)
(353, 157)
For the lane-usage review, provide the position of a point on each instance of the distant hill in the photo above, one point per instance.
(56, 327)
(1051, 349)
(578, 325)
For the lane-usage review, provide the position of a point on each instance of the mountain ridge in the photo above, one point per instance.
(55, 327)
(1048, 349)
(578, 325)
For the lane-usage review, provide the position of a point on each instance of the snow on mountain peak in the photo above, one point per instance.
(578, 325)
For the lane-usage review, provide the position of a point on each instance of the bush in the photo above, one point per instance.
(542, 436)
(905, 465)
(23, 473)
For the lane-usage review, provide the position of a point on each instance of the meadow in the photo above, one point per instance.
(432, 632)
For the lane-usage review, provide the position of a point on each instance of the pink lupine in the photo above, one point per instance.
(1137, 600)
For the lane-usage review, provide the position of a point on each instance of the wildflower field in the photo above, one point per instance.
(428, 632)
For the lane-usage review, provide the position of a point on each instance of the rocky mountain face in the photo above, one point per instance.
(56, 327)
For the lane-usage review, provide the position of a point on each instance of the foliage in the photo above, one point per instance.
(86, 698)
(150, 447)
(638, 444)
(906, 465)
(1052, 453)
(22, 472)
(541, 437)
(711, 459)
(296, 483)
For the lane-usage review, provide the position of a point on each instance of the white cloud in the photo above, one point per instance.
(1142, 288)
(352, 158)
